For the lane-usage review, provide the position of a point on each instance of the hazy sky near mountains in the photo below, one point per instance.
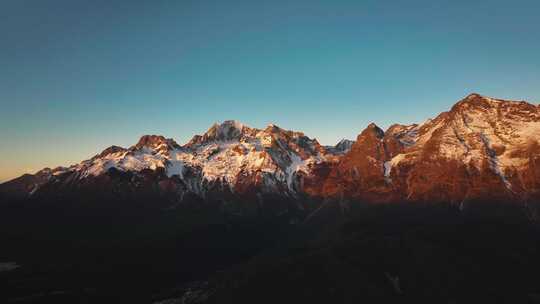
(78, 76)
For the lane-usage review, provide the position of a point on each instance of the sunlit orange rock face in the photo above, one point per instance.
(360, 173)
(483, 149)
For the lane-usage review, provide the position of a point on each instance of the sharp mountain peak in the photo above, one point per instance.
(481, 141)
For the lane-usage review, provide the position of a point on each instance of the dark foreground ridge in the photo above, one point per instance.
(344, 253)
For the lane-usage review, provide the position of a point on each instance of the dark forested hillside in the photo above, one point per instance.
(72, 252)
(393, 253)
(93, 252)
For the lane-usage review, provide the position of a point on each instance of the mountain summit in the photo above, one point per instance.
(481, 149)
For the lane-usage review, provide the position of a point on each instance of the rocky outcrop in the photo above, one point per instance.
(228, 162)
(482, 149)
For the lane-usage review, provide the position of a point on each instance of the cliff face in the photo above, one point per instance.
(483, 149)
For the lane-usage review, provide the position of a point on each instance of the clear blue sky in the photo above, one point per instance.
(78, 76)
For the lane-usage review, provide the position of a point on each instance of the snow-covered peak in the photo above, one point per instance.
(405, 135)
(476, 101)
(273, 128)
(399, 128)
(229, 130)
(111, 150)
(342, 147)
(229, 153)
(478, 135)
(344, 144)
(155, 142)
(483, 133)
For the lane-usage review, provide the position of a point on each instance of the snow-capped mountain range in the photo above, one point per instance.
(228, 156)
(482, 149)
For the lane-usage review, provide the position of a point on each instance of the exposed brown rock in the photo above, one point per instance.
(483, 149)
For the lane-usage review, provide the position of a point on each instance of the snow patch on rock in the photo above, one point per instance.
(387, 166)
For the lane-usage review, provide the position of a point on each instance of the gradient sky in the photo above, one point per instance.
(78, 76)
